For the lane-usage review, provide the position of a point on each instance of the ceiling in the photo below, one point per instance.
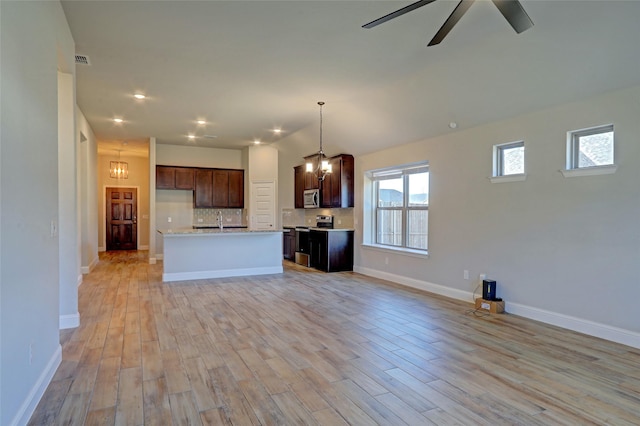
(247, 67)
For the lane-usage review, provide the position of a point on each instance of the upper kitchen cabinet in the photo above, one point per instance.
(236, 189)
(310, 179)
(298, 183)
(219, 188)
(337, 186)
(203, 193)
(170, 177)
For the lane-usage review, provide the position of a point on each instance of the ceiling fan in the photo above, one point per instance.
(512, 10)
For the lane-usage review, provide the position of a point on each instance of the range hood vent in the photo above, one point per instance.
(82, 60)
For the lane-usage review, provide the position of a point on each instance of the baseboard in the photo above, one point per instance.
(453, 293)
(152, 261)
(101, 249)
(159, 256)
(35, 394)
(202, 275)
(591, 328)
(143, 247)
(87, 269)
(69, 321)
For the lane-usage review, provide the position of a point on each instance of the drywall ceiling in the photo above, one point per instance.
(247, 67)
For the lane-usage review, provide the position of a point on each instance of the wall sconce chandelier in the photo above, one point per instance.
(321, 167)
(119, 169)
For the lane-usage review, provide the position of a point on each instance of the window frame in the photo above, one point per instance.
(573, 146)
(403, 172)
(498, 158)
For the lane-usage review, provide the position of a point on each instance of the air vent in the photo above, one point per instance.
(82, 60)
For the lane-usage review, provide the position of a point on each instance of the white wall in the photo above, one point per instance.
(562, 250)
(88, 191)
(69, 256)
(33, 34)
(194, 156)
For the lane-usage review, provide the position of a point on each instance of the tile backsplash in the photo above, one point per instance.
(230, 217)
(342, 218)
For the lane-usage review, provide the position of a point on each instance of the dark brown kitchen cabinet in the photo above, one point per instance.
(219, 188)
(203, 193)
(289, 243)
(236, 189)
(311, 178)
(170, 177)
(337, 186)
(298, 179)
(331, 250)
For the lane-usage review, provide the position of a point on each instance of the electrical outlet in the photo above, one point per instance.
(200, 220)
(169, 219)
(339, 222)
(483, 276)
(386, 260)
(465, 274)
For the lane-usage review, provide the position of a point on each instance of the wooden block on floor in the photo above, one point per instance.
(490, 305)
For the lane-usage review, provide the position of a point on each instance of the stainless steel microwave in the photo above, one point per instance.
(311, 198)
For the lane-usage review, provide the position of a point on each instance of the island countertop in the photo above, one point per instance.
(212, 231)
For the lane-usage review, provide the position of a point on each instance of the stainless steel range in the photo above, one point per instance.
(303, 248)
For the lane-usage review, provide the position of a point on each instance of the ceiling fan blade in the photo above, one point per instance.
(451, 21)
(399, 12)
(515, 14)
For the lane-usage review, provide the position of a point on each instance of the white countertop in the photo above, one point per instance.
(213, 231)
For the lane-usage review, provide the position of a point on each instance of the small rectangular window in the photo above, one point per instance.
(508, 159)
(590, 147)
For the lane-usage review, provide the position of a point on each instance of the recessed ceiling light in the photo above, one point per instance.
(201, 122)
(277, 130)
(118, 120)
(191, 136)
(453, 125)
(139, 96)
(256, 142)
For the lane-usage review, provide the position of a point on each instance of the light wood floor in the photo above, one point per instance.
(312, 348)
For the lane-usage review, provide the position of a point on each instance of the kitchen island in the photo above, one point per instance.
(193, 254)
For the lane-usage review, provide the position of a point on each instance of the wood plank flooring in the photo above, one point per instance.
(305, 348)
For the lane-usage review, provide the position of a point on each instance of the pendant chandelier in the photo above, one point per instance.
(319, 164)
(119, 169)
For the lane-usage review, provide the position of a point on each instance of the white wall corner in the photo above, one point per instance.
(69, 321)
(35, 394)
(87, 269)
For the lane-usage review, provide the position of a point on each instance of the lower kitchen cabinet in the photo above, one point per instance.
(289, 243)
(331, 250)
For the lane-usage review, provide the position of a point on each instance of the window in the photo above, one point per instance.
(508, 159)
(590, 147)
(401, 197)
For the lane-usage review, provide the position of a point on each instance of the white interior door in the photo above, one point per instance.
(263, 205)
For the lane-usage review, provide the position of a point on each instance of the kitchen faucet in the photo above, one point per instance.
(220, 219)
